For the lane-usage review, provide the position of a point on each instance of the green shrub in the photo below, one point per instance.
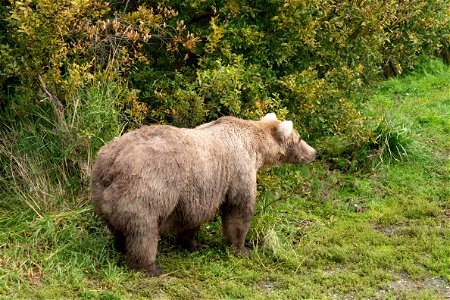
(318, 105)
(251, 55)
(216, 89)
(54, 39)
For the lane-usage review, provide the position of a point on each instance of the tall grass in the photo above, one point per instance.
(392, 142)
(47, 151)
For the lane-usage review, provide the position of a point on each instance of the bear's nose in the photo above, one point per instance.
(313, 157)
(313, 154)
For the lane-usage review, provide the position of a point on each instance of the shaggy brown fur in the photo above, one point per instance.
(162, 179)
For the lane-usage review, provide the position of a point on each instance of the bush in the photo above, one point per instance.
(214, 90)
(64, 41)
(297, 54)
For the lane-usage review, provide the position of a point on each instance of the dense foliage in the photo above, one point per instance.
(194, 60)
(75, 73)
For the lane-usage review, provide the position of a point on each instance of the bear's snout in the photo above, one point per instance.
(307, 153)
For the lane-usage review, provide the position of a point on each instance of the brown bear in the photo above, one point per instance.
(162, 179)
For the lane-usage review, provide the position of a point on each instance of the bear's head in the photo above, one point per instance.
(293, 149)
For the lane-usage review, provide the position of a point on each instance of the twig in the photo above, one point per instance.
(126, 6)
(293, 192)
(59, 108)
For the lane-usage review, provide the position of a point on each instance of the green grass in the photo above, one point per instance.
(382, 235)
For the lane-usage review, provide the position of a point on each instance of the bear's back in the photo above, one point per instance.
(166, 155)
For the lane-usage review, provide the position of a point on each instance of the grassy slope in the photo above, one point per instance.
(382, 235)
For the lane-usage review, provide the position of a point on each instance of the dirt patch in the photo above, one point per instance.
(405, 284)
(391, 230)
(266, 287)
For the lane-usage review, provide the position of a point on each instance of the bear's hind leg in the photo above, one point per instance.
(187, 239)
(119, 238)
(119, 241)
(141, 248)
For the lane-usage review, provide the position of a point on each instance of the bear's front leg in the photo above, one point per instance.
(236, 219)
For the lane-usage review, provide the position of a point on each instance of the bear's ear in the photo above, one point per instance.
(269, 117)
(285, 128)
